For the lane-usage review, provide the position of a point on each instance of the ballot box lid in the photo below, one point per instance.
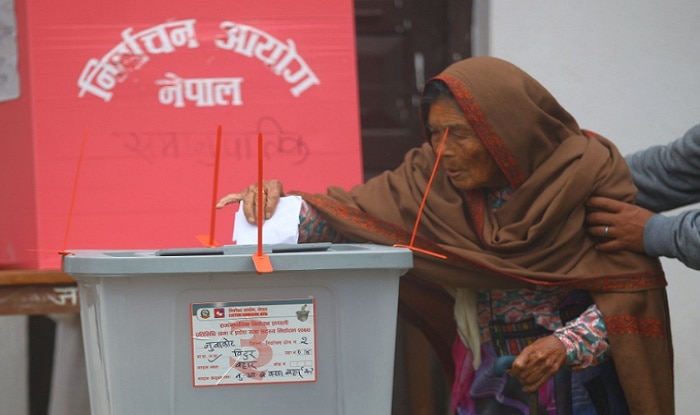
(234, 258)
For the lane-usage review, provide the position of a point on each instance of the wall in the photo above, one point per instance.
(629, 73)
(14, 387)
(14, 382)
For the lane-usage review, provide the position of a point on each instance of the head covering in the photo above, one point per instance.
(538, 236)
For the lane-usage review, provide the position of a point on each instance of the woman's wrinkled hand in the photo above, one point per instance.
(538, 362)
(272, 192)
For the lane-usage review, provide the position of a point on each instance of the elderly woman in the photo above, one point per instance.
(505, 213)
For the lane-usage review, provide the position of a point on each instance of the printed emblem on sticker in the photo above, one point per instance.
(303, 314)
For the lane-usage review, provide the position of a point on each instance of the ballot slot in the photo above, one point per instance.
(244, 249)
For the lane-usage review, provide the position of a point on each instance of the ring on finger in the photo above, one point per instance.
(605, 231)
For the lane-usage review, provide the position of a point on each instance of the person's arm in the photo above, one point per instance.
(623, 226)
(675, 237)
(668, 176)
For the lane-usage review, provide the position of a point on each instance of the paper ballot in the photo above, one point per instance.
(281, 228)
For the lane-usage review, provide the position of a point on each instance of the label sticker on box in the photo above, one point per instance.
(253, 342)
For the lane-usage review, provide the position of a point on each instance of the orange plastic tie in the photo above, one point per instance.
(74, 192)
(425, 251)
(260, 259)
(208, 240)
(425, 198)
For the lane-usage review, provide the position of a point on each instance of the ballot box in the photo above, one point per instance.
(186, 331)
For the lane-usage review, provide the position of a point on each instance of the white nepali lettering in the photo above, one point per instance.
(164, 38)
(204, 92)
(103, 74)
(100, 76)
(64, 296)
(251, 42)
(304, 75)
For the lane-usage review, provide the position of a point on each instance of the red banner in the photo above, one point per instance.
(148, 84)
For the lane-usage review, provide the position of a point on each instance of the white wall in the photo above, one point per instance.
(629, 70)
(14, 382)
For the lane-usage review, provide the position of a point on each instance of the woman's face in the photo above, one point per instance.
(466, 161)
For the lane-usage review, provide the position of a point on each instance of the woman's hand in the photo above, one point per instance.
(272, 191)
(538, 362)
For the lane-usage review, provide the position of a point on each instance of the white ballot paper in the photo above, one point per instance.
(281, 228)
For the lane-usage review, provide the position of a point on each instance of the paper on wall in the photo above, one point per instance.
(282, 227)
(9, 77)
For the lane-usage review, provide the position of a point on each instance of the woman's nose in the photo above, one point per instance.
(448, 147)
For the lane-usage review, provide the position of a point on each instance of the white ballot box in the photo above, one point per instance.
(193, 331)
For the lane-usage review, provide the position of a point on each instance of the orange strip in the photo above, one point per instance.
(425, 251)
(261, 260)
(261, 218)
(75, 191)
(427, 190)
(217, 160)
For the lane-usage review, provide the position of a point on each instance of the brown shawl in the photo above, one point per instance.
(537, 237)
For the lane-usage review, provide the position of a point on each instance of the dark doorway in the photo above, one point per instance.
(401, 43)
